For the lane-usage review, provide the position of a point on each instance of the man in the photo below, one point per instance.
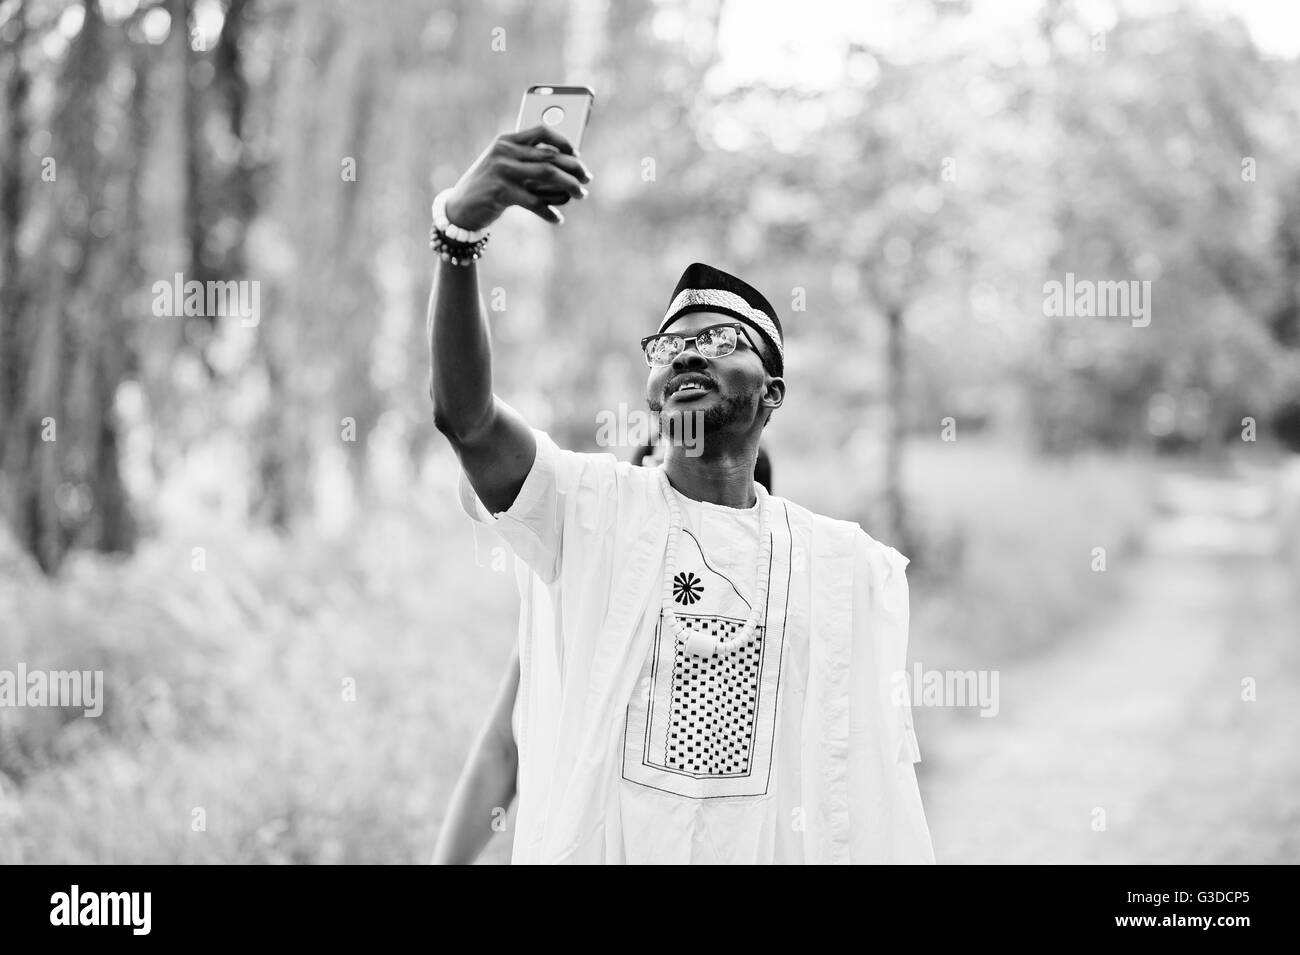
(488, 783)
(706, 671)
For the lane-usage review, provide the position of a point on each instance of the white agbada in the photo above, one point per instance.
(796, 749)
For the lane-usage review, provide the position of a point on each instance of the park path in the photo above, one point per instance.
(1140, 713)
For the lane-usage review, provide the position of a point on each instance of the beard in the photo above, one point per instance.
(725, 411)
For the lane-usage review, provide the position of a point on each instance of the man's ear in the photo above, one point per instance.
(773, 394)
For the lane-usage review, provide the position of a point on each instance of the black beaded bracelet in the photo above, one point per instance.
(452, 251)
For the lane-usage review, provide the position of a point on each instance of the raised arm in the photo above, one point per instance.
(535, 169)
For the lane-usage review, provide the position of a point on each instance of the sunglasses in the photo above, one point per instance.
(716, 341)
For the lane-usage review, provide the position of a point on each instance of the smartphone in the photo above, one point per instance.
(564, 108)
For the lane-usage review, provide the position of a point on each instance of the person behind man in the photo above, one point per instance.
(707, 673)
(487, 783)
(655, 452)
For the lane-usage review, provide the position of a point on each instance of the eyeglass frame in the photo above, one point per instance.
(691, 339)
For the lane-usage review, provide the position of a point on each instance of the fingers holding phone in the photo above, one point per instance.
(536, 167)
(556, 177)
(544, 158)
(510, 173)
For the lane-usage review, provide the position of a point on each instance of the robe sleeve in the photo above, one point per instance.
(888, 822)
(533, 526)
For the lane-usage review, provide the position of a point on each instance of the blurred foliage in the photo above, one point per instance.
(904, 218)
(257, 732)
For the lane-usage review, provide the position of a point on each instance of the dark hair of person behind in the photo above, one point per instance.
(762, 465)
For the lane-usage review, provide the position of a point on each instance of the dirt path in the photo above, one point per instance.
(1141, 715)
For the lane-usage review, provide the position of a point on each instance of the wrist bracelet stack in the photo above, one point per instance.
(453, 244)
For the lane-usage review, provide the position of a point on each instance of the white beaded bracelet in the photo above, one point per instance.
(454, 232)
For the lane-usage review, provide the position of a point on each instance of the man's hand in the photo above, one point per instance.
(533, 168)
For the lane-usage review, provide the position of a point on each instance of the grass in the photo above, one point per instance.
(1008, 545)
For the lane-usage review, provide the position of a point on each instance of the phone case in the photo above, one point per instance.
(564, 108)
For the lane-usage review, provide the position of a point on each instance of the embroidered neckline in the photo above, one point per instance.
(697, 641)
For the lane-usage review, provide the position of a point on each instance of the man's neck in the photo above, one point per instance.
(725, 477)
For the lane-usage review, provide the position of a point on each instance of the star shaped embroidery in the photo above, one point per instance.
(687, 588)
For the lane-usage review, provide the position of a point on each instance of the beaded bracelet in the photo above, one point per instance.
(452, 251)
(454, 232)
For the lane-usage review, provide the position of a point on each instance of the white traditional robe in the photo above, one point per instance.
(825, 773)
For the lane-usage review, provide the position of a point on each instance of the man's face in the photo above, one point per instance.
(732, 387)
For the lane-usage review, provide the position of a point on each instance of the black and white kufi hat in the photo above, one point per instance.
(702, 288)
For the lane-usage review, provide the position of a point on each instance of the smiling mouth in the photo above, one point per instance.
(690, 390)
(690, 384)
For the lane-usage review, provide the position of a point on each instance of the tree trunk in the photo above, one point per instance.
(115, 525)
(895, 504)
(13, 168)
(19, 439)
(281, 487)
(49, 452)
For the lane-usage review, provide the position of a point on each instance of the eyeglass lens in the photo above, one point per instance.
(712, 343)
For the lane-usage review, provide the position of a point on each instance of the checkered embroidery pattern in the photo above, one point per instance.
(713, 703)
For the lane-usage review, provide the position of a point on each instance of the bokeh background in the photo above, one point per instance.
(232, 521)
